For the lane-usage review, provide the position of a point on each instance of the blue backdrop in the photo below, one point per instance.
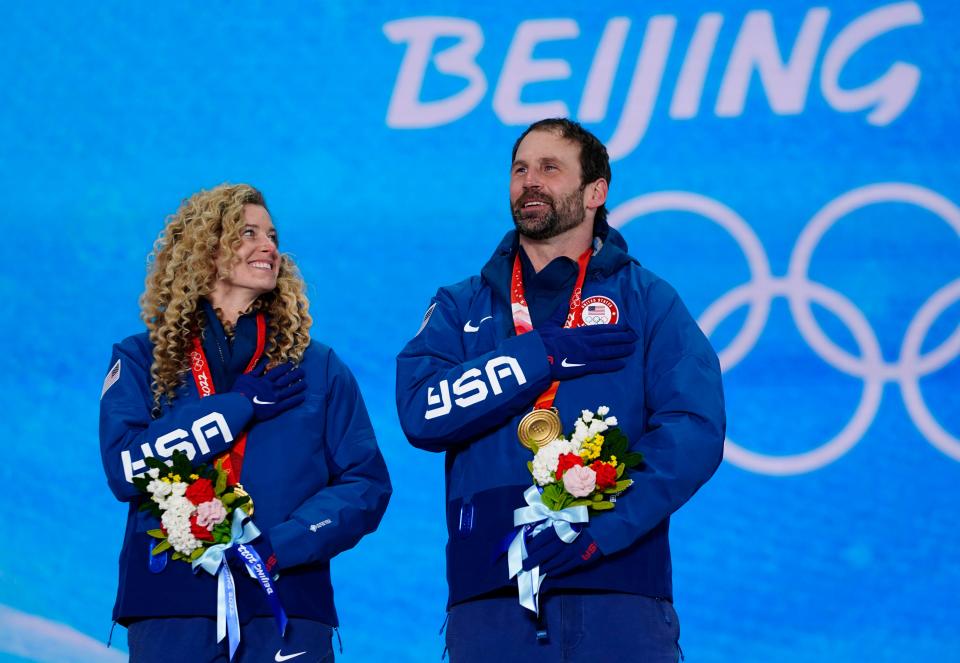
(791, 167)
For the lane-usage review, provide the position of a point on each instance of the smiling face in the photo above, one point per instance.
(256, 262)
(546, 191)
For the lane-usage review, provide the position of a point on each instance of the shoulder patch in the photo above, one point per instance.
(426, 318)
(111, 378)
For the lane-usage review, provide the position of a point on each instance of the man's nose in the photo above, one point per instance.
(531, 180)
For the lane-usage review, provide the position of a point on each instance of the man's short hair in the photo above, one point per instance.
(594, 160)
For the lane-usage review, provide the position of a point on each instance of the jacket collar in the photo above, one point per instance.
(227, 356)
(612, 257)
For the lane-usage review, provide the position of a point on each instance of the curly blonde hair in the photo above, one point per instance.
(197, 245)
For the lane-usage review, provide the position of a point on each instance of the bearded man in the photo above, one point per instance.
(561, 319)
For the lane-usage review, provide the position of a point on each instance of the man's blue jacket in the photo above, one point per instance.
(315, 473)
(465, 380)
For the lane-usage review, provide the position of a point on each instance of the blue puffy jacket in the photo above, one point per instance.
(316, 476)
(466, 379)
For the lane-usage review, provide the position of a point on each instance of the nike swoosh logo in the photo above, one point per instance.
(257, 401)
(470, 328)
(280, 658)
(567, 364)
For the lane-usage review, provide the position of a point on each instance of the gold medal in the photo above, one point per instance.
(539, 427)
(240, 492)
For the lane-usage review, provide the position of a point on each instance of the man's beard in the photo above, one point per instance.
(561, 216)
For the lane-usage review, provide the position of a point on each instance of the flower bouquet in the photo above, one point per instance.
(588, 468)
(571, 477)
(194, 505)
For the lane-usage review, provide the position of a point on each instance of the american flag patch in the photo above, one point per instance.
(111, 378)
(426, 318)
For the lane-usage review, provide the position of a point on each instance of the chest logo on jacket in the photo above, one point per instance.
(599, 310)
(470, 387)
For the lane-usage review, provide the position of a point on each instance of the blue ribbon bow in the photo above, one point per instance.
(242, 531)
(541, 517)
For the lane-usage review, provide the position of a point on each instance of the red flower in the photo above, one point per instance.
(200, 531)
(200, 491)
(606, 474)
(565, 462)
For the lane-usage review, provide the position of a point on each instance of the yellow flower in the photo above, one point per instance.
(165, 479)
(591, 448)
(613, 460)
(176, 477)
(194, 477)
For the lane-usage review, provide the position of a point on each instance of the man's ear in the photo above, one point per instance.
(596, 193)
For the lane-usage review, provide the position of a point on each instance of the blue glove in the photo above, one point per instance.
(584, 350)
(273, 391)
(557, 558)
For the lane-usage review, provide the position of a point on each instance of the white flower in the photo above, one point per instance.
(178, 488)
(587, 416)
(153, 472)
(603, 410)
(179, 505)
(579, 431)
(159, 489)
(596, 426)
(611, 421)
(178, 532)
(545, 462)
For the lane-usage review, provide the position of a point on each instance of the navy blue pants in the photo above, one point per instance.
(194, 639)
(579, 627)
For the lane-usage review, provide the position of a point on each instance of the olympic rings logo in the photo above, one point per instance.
(800, 292)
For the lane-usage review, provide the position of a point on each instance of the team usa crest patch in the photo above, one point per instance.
(599, 310)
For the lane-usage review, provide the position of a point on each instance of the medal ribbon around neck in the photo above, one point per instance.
(232, 459)
(522, 322)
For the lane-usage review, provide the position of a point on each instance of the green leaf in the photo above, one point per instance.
(221, 483)
(632, 459)
(176, 555)
(155, 463)
(597, 497)
(156, 533)
(620, 469)
(601, 506)
(196, 553)
(620, 448)
(228, 498)
(530, 466)
(580, 502)
(240, 501)
(553, 496)
(162, 546)
(141, 483)
(181, 465)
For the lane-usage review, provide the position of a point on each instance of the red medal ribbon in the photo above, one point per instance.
(522, 322)
(232, 459)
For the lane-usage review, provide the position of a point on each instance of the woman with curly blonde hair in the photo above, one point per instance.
(227, 373)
